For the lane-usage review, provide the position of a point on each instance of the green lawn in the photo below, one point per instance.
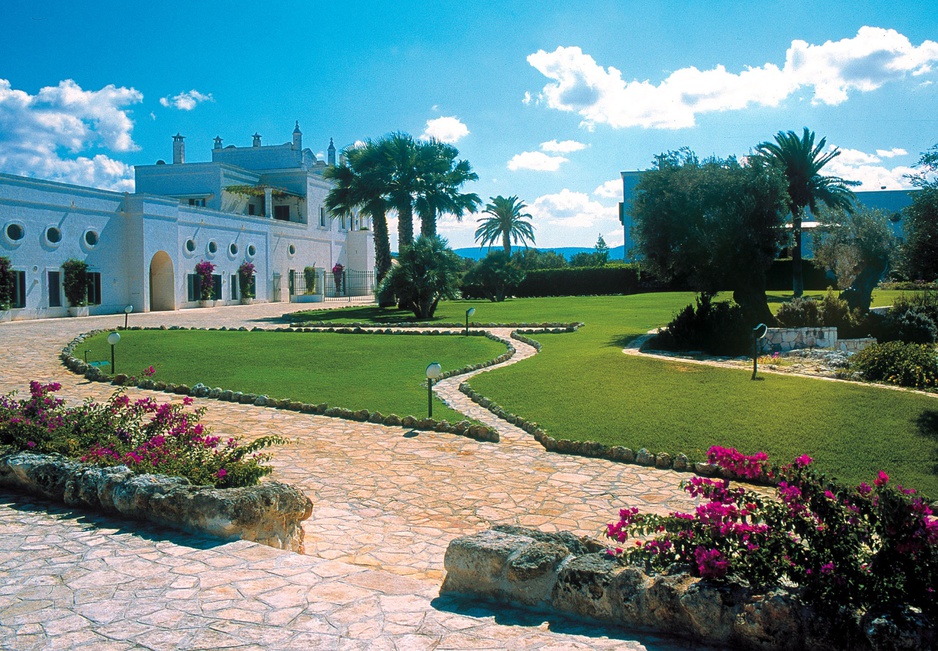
(377, 372)
(581, 386)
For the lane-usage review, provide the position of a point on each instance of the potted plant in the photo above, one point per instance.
(337, 276)
(6, 288)
(246, 282)
(75, 283)
(309, 274)
(204, 271)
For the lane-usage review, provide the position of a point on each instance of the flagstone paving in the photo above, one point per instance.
(387, 501)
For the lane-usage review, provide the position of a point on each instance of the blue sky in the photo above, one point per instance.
(548, 100)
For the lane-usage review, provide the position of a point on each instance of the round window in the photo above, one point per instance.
(212, 247)
(233, 249)
(15, 232)
(190, 246)
(53, 235)
(292, 249)
(252, 251)
(91, 238)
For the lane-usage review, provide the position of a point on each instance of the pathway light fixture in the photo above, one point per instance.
(434, 371)
(112, 339)
(469, 313)
(757, 333)
(127, 311)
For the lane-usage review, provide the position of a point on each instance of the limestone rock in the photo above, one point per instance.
(644, 458)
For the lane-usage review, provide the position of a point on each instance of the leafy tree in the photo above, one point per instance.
(506, 222)
(920, 252)
(358, 184)
(427, 271)
(859, 247)
(533, 259)
(441, 177)
(714, 224)
(584, 259)
(75, 282)
(801, 161)
(494, 277)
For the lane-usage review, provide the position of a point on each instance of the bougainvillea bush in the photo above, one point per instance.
(847, 549)
(141, 434)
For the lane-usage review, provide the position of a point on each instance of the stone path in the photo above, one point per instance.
(387, 503)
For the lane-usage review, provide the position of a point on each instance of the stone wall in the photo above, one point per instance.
(782, 340)
(270, 513)
(575, 576)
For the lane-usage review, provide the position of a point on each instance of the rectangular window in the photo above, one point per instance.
(197, 202)
(234, 287)
(322, 217)
(19, 289)
(54, 282)
(216, 285)
(250, 208)
(193, 287)
(282, 213)
(94, 288)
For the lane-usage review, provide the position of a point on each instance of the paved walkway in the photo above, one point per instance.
(387, 501)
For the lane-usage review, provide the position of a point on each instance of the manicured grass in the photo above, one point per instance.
(583, 387)
(377, 372)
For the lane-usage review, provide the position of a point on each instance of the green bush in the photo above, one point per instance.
(580, 281)
(799, 313)
(144, 436)
(75, 282)
(897, 362)
(926, 302)
(717, 328)
(427, 272)
(494, 278)
(6, 283)
(912, 325)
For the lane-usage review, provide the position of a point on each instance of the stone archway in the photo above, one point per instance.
(162, 283)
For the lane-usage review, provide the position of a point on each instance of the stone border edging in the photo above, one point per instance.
(558, 325)
(564, 574)
(465, 428)
(269, 513)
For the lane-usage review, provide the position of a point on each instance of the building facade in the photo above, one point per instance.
(262, 204)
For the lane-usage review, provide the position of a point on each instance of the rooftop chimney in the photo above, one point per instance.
(217, 142)
(257, 139)
(179, 150)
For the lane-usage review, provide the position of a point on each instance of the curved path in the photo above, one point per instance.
(387, 501)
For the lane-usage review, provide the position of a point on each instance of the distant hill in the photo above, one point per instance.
(475, 253)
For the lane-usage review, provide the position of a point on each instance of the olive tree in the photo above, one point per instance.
(714, 224)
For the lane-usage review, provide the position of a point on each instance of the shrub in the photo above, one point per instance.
(799, 313)
(912, 325)
(580, 281)
(204, 271)
(246, 279)
(897, 362)
(6, 283)
(926, 302)
(144, 436)
(717, 328)
(75, 282)
(428, 271)
(848, 549)
(495, 277)
(309, 275)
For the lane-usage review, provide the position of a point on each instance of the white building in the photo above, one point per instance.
(262, 204)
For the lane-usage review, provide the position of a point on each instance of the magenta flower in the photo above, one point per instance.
(30, 444)
(803, 461)
(882, 479)
(222, 472)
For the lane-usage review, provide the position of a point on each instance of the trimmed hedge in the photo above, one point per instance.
(580, 281)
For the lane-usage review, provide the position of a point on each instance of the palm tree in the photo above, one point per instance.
(506, 222)
(395, 160)
(801, 162)
(358, 185)
(441, 176)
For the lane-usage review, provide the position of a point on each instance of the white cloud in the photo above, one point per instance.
(527, 99)
(855, 165)
(35, 129)
(572, 210)
(610, 189)
(563, 147)
(891, 153)
(446, 129)
(863, 63)
(186, 101)
(537, 161)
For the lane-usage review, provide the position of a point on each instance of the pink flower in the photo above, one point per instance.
(711, 563)
(864, 489)
(882, 479)
(30, 444)
(186, 400)
(222, 472)
(803, 461)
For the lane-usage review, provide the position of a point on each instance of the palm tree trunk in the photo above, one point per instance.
(405, 226)
(506, 242)
(382, 246)
(428, 225)
(797, 277)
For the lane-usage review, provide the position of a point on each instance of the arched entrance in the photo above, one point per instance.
(162, 283)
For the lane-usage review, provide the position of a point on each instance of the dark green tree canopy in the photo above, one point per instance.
(920, 251)
(714, 224)
(427, 272)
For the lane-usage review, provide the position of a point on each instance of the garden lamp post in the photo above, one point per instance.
(112, 339)
(434, 371)
(127, 311)
(469, 313)
(757, 333)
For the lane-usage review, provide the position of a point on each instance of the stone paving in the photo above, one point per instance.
(387, 501)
